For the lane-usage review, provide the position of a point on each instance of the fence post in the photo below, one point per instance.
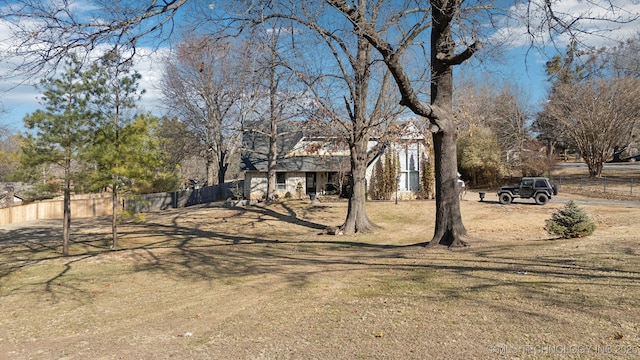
(605, 184)
(631, 187)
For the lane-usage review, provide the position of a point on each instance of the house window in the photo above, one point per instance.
(409, 156)
(281, 183)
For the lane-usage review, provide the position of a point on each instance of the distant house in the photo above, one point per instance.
(410, 144)
(319, 164)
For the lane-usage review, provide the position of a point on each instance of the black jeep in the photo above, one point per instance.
(538, 188)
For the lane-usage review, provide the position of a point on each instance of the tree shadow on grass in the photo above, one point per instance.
(40, 243)
(193, 250)
(290, 215)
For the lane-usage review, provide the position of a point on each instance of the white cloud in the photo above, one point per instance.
(598, 22)
(149, 64)
(19, 96)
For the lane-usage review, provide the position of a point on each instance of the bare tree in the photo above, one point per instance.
(499, 107)
(352, 92)
(44, 32)
(439, 112)
(204, 87)
(455, 25)
(276, 102)
(509, 119)
(454, 29)
(9, 152)
(624, 57)
(581, 66)
(594, 116)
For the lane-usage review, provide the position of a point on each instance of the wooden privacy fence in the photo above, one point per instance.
(101, 206)
(53, 209)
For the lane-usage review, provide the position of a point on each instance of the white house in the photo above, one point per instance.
(317, 164)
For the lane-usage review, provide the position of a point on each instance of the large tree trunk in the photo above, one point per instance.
(271, 165)
(595, 162)
(273, 131)
(223, 165)
(222, 168)
(357, 220)
(449, 229)
(210, 165)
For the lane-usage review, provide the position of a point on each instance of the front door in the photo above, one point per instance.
(311, 182)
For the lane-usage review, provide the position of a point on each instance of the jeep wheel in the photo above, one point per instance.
(542, 198)
(505, 198)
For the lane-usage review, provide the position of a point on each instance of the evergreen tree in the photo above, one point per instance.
(388, 176)
(427, 180)
(383, 180)
(391, 170)
(394, 172)
(124, 149)
(377, 181)
(575, 66)
(570, 222)
(116, 90)
(59, 133)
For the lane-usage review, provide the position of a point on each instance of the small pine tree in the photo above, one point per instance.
(383, 181)
(389, 176)
(396, 170)
(570, 222)
(427, 181)
(392, 172)
(375, 188)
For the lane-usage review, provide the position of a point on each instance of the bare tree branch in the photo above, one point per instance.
(45, 31)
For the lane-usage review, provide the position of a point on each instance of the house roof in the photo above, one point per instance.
(299, 151)
(295, 153)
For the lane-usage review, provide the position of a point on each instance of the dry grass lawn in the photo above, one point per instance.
(263, 283)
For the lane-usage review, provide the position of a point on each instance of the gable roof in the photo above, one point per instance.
(298, 151)
(409, 131)
(295, 153)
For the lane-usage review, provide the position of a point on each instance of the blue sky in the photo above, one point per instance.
(519, 63)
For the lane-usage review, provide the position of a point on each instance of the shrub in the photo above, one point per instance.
(479, 156)
(427, 181)
(570, 222)
(287, 195)
(384, 179)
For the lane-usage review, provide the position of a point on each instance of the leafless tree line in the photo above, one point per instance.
(375, 48)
